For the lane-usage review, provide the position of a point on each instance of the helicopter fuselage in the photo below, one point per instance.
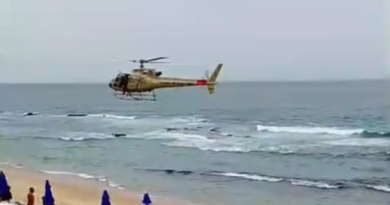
(141, 83)
(146, 83)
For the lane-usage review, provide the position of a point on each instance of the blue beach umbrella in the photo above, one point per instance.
(2, 177)
(105, 198)
(146, 200)
(48, 198)
(1, 183)
(4, 188)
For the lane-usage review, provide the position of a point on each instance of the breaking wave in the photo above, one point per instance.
(194, 120)
(378, 185)
(296, 182)
(194, 131)
(81, 175)
(220, 144)
(374, 134)
(322, 130)
(309, 130)
(82, 136)
(86, 176)
(110, 116)
(216, 143)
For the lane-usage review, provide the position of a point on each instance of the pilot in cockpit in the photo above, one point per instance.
(124, 80)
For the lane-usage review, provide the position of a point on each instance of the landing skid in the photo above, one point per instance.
(136, 96)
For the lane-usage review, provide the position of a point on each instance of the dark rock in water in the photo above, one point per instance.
(191, 128)
(171, 171)
(214, 129)
(118, 134)
(171, 129)
(30, 113)
(185, 172)
(77, 115)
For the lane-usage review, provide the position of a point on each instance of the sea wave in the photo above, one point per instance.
(108, 116)
(86, 176)
(309, 130)
(102, 179)
(82, 136)
(175, 138)
(369, 134)
(192, 121)
(297, 182)
(322, 130)
(199, 132)
(375, 184)
(384, 188)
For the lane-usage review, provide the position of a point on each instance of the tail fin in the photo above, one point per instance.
(212, 81)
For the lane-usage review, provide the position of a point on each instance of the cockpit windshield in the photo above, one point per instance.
(119, 77)
(122, 76)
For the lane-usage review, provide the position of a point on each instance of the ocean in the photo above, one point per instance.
(308, 143)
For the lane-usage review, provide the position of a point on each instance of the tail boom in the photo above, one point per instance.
(180, 82)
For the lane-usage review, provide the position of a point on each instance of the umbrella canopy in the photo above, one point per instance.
(146, 200)
(105, 198)
(48, 198)
(4, 188)
(1, 183)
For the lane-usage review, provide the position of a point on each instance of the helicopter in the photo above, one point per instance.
(141, 83)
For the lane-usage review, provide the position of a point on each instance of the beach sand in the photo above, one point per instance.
(69, 190)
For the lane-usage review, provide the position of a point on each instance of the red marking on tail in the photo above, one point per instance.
(201, 82)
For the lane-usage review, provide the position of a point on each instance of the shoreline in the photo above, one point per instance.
(70, 189)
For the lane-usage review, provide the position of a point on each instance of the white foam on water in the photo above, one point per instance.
(309, 130)
(86, 176)
(359, 142)
(383, 188)
(296, 182)
(17, 166)
(110, 116)
(251, 177)
(321, 185)
(102, 179)
(148, 123)
(227, 144)
(181, 137)
(80, 136)
(228, 138)
(202, 142)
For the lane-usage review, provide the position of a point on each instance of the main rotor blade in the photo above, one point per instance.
(188, 64)
(158, 62)
(154, 59)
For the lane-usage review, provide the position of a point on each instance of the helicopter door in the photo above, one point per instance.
(134, 83)
(122, 80)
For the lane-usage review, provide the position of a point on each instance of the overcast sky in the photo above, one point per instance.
(75, 40)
